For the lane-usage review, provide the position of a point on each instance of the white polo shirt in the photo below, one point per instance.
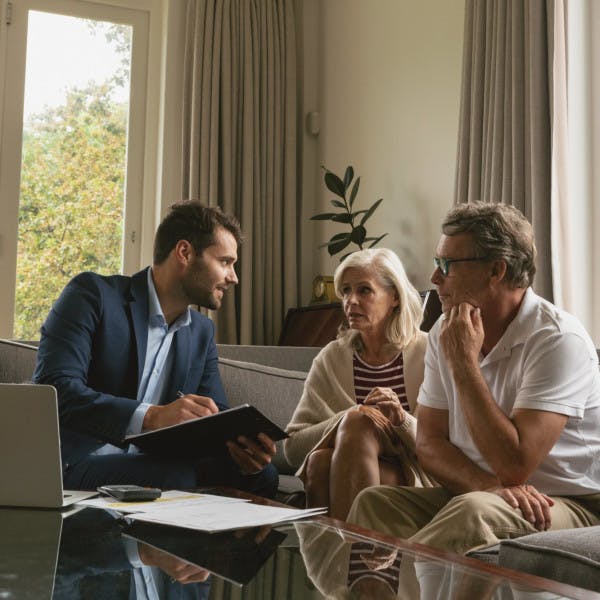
(544, 361)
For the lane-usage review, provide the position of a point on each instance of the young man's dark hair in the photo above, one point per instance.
(192, 221)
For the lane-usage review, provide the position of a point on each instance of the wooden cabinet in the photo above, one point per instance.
(317, 324)
(313, 325)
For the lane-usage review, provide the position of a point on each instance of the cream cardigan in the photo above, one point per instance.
(329, 393)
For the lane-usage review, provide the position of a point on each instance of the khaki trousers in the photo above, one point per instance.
(462, 523)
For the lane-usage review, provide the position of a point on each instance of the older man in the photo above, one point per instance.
(509, 410)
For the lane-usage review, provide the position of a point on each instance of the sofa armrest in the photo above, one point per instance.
(293, 358)
(571, 556)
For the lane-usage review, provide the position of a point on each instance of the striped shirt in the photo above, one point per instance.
(390, 375)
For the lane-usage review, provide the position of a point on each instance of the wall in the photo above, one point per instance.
(385, 78)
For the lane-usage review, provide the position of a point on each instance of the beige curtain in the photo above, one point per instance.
(239, 150)
(512, 130)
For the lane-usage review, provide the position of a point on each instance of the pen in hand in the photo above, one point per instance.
(207, 405)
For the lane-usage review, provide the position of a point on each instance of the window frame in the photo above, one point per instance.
(141, 201)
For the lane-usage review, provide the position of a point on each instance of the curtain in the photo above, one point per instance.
(239, 150)
(512, 128)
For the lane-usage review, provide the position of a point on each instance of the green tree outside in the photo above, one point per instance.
(71, 199)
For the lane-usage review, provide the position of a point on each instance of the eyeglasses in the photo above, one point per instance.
(443, 264)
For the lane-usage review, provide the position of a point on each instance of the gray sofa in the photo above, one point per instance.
(268, 377)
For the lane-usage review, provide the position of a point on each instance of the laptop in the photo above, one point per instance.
(30, 463)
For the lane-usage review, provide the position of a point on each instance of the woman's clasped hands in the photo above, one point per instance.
(387, 402)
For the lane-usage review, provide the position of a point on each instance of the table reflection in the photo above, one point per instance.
(96, 554)
(345, 566)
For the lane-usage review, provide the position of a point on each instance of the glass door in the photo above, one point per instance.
(68, 177)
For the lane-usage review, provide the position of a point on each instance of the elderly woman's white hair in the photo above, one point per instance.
(403, 325)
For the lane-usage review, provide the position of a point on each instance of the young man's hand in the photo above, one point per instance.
(183, 409)
(250, 456)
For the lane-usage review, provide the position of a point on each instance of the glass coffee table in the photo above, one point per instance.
(95, 554)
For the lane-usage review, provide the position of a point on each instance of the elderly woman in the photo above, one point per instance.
(355, 424)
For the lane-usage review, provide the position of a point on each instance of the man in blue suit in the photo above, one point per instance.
(128, 355)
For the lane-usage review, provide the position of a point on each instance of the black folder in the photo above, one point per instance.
(206, 436)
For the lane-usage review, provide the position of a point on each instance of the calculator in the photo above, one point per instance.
(130, 493)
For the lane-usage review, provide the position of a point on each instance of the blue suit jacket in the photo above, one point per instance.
(93, 348)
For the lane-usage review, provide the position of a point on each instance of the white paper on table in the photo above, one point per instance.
(224, 517)
(171, 499)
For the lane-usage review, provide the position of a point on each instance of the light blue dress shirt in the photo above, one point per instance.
(157, 366)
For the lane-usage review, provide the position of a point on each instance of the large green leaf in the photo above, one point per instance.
(342, 218)
(348, 177)
(358, 235)
(335, 238)
(370, 211)
(339, 236)
(354, 191)
(337, 246)
(323, 217)
(334, 184)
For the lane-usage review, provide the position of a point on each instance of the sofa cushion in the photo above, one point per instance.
(570, 556)
(294, 358)
(275, 392)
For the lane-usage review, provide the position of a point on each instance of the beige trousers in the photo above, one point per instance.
(462, 523)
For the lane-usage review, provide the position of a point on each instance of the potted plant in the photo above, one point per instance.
(347, 215)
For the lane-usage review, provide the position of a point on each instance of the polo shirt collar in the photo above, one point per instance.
(518, 330)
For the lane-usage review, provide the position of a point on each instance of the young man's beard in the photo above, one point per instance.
(195, 288)
(207, 300)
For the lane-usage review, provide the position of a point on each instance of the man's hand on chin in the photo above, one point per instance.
(462, 334)
(250, 456)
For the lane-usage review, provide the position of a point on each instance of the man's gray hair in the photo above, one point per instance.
(499, 232)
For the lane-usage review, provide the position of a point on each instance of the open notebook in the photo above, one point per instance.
(30, 460)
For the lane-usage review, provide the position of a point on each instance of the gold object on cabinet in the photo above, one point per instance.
(323, 290)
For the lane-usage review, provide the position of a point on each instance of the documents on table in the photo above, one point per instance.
(223, 517)
(173, 499)
(203, 512)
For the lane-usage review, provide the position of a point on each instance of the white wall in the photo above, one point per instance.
(385, 77)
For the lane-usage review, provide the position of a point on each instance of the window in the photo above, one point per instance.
(584, 153)
(72, 150)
